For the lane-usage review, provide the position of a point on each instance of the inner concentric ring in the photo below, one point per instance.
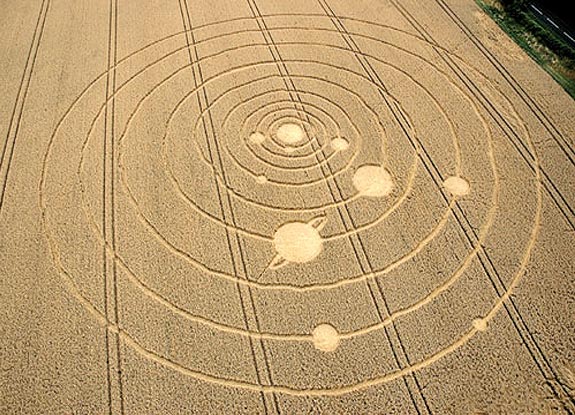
(433, 231)
(291, 390)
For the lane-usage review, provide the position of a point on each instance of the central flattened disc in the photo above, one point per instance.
(297, 242)
(290, 133)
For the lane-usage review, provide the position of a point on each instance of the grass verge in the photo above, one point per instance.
(537, 41)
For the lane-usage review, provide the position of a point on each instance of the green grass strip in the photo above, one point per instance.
(523, 35)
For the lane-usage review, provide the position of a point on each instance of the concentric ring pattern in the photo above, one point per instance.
(310, 180)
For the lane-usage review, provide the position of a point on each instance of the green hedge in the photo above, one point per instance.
(523, 27)
(519, 11)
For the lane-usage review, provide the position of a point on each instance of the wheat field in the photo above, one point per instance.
(296, 207)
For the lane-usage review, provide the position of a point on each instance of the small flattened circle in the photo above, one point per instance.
(298, 242)
(373, 181)
(339, 144)
(457, 186)
(480, 324)
(290, 133)
(257, 138)
(325, 338)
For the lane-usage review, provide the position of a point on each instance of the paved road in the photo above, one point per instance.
(555, 24)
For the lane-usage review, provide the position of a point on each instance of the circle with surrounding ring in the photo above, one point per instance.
(57, 230)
